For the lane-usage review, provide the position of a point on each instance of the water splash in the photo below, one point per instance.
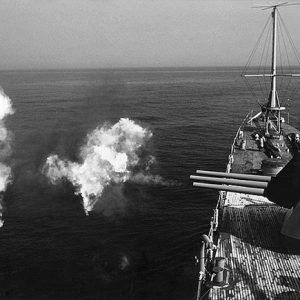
(5, 147)
(112, 154)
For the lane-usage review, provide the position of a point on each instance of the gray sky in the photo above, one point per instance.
(132, 33)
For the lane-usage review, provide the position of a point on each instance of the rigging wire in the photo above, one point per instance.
(255, 47)
(296, 53)
(287, 54)
(291, 41)
(266, 64)
(264, 52)
(289, 80)
(260, 86)
(280, 59)
(250, 59)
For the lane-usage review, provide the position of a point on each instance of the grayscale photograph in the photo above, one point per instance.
(149, 149)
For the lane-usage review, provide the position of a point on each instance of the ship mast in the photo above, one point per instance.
(272, 109)
(273, 97)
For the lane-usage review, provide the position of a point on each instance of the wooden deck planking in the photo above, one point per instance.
(261, 266)
(249, 160)
(256, 255)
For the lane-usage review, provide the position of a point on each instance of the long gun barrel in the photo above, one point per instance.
(284, 189)
(248, 183)
(235, 175)
(229, 188)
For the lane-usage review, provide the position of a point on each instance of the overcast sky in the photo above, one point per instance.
(132, 33)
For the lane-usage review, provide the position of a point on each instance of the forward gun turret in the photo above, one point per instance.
(282, 189)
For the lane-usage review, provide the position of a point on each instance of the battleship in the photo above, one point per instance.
(252, 250)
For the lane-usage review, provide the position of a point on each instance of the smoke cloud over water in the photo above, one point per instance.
(112, 154)
(5, 149)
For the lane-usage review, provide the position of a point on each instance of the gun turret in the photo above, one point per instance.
(282, 189)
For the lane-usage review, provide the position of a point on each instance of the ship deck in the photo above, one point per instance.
(261, 264)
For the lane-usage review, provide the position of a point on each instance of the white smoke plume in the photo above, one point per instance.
(112, 154)
(5, 149)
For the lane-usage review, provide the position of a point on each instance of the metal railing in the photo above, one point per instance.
(208, 249)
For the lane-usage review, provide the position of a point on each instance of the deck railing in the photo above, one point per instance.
(208, 249)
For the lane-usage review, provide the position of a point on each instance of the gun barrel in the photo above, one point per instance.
(236, 189)
(249, 183)
(235, 175)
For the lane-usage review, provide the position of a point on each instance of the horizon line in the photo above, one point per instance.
(122, 68)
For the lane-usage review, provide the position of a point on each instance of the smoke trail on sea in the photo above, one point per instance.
(5, 148)
(111, 154)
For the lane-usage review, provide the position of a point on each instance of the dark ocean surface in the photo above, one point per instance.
(143, 245)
